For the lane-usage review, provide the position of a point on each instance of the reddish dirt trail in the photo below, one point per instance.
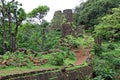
(82, 54)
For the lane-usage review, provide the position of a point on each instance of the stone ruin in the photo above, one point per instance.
(68, 15)
(57, 20)
(63, 21)
(66, 29)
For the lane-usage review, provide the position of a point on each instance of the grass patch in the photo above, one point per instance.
(19, 70)
(77, 66)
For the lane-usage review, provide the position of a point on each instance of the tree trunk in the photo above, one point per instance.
(10, 30)
(4, 37)
(15, 37)
(4, 28)
(98, 40)
(43, 39)
(14, 46)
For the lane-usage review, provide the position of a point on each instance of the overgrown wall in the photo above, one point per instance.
(56, 74)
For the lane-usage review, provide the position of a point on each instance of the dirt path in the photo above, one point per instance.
(82, 54)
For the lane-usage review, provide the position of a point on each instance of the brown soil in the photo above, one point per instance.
(82, 54)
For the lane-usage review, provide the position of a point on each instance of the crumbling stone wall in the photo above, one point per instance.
(57, 20)
(53, 74)
(68, 15)
(64, 21)
(66, 29)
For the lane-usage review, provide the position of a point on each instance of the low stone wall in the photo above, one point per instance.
(53, 74)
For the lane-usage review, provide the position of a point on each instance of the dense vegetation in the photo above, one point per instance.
(102, 16)
(29, 41)
(89, 13)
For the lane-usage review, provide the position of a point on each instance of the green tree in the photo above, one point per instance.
(39, 13)
(3, 27)
(12, 16)
(29, 36)
(89, 12)
(17, 15)
(109, 26)
(43, 33)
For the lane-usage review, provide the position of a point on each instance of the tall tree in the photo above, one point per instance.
(18, 16)
(43, 33)
(109, 26)
(39, 13)
(3, 12)
(12, 16)
(89, 12)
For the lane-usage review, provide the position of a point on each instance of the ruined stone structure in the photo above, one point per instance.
(52, 74)
(63, 21)
(57, 20)
(68, 15)
(66, 29)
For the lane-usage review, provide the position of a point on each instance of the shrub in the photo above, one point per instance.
(111, 47)
(102, 68)
(98, 78)
(98, 50)
(20, 59)
(57, 59)
(71, 55)
(73, 41)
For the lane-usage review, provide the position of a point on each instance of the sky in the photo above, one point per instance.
(54, 5)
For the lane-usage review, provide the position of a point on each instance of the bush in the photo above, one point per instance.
(72, 55)
(111, 47)
(20, 59)
(102, 69)
(57, 59)
(73, 41)
(98, 78)
(98, 50)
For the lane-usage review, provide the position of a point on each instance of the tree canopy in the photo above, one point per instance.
(89, 12)
(109, 26)
(39, 12)
(11, 15)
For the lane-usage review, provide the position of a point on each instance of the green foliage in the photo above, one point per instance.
(29, 36)
(38, 12)
(12, 16)
(72, 41)
(111, 46)
(106, 65)
(57, 59)
(22, 14)
(98, 50)
(109, 25)
(52, 40)
(98, 78)
(88, 12)
(60, 58)
(113, 58)
(20, 59)
(102, 68)
(58, 20)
